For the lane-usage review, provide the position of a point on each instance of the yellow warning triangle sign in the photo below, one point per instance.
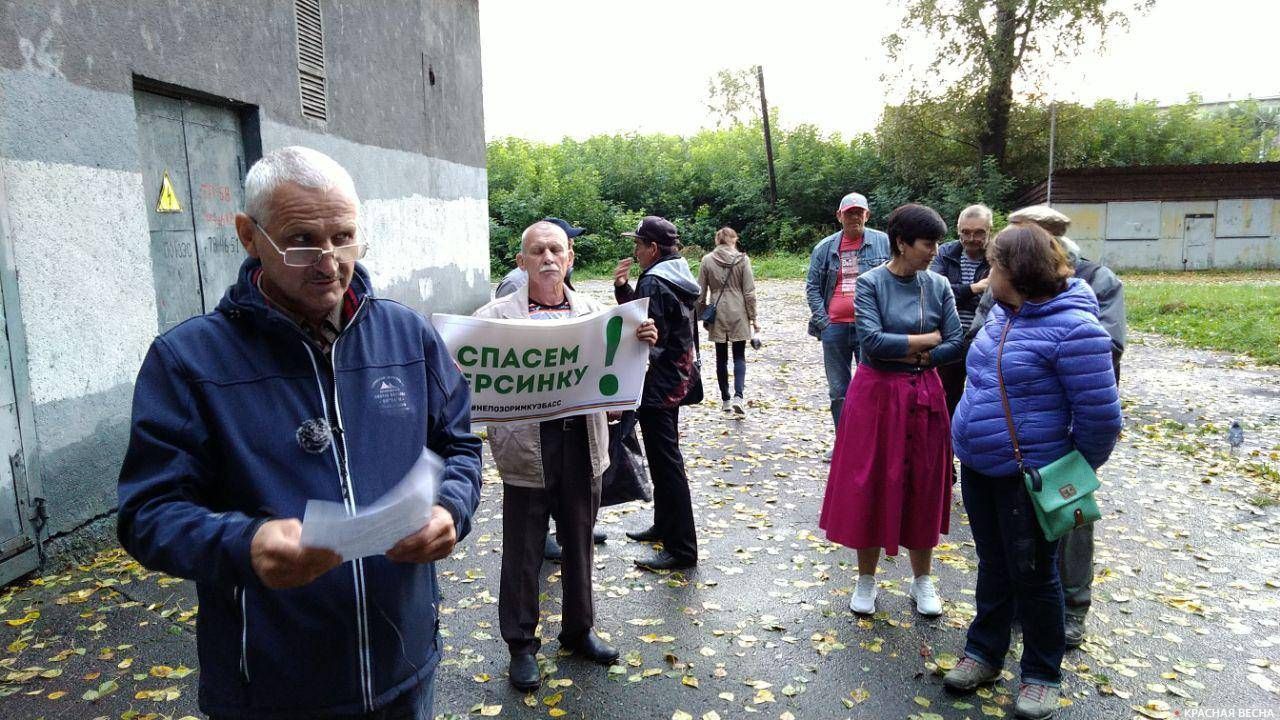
(168, 202)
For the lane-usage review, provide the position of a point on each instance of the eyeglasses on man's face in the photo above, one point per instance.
(308, 256)
(979, 233)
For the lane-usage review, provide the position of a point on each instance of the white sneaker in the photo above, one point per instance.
(725, 407)
(863, 600)
(926, 596)
(739, 407)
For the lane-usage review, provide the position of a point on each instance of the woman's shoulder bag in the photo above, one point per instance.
(709, 312)
(1062, 492)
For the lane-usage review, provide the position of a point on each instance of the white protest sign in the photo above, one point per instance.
(523, 371)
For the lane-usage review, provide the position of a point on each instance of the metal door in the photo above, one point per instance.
(195, 253)
(1197, 242)
(14, 535)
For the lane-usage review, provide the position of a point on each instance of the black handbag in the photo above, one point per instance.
(626, 479)
(695, 394)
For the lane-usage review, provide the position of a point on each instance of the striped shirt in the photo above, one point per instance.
(968, 269)
(538, 311)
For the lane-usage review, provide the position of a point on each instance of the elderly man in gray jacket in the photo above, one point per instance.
(549, 469)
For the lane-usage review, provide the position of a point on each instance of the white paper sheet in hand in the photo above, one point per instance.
(402, 511)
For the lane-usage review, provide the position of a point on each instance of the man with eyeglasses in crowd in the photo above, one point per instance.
(300, 385)
(963, 263)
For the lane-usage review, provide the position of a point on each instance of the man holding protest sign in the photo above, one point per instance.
(550, 468)
(518, 278)
(512, 282)
(672, 380)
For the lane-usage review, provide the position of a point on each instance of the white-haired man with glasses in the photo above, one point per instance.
(300, 385)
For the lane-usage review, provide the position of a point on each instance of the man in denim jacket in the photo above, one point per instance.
(834, 267)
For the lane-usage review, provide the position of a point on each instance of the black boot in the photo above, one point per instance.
(591, 647)
(663, 560)
(650, 534)
(524, 673)
(551, 550)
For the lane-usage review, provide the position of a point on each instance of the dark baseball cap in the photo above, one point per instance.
(568, 229)
(654, 229)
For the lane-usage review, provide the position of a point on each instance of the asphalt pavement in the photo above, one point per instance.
(1184, 621)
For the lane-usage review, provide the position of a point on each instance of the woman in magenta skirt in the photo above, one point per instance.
(891, 473)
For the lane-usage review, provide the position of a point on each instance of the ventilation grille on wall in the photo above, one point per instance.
(311, 77)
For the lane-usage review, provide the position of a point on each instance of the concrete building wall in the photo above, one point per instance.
(405, 117)
(1152, 235)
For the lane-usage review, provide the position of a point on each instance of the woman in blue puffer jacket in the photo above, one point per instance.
(1056, 365)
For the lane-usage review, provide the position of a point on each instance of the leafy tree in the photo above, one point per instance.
(995, 41)
(920, 152)
(732, 97)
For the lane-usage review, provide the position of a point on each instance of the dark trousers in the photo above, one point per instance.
(416, 703)
(1075, 557)
(739, 368)
(953, 377)
(1017, 577)
(1075, 567)
(572, 496)
(672, 504)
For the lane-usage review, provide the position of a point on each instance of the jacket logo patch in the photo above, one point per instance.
(1067, 491)
(314, 436)
(389, 395)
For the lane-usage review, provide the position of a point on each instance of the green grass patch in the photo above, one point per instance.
(1202, 277)
(779, 266)
(595, 271)
(1218, 312)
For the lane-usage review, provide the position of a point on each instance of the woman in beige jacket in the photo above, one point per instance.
(727, 283)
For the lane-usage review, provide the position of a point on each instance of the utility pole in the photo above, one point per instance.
(768, 141)
(1053, 128)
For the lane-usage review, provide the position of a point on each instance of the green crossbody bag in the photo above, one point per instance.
(1062, 491)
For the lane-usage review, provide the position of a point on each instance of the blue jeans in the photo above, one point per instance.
(1017, 577)
(839, 354)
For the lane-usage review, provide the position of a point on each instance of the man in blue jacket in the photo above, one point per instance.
(299, 385)
(963, 263)
(834, 267)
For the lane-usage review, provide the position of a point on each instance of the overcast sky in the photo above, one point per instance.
(580, 67)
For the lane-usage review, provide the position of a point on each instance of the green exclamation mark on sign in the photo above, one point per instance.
(612, 337)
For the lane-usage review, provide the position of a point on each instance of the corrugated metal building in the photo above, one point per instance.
(1171, 217)
(125, 132)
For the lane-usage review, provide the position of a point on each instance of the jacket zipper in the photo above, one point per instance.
(244, 632)
(348, 497)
